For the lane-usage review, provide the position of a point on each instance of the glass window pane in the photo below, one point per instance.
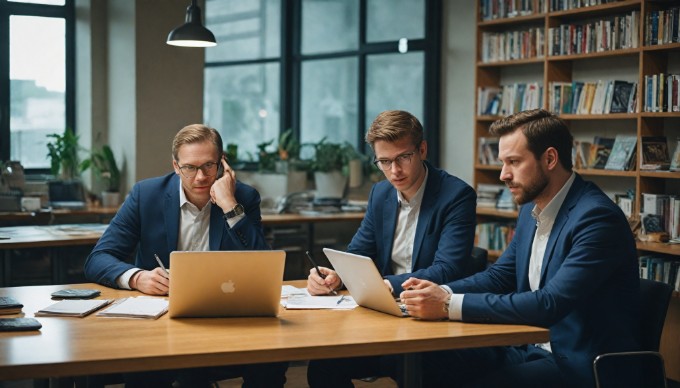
(394, 81)
(37, 86)
(329, 101)
(48, 2)
(242, 103)
(244, 29)
(329, 25)
(401, 19)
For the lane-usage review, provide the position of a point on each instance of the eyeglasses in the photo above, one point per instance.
(209, 169)
(401, 160)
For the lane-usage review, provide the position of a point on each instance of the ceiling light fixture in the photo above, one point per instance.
(192, 33)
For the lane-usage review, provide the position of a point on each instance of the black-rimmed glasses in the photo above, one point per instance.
(401, 160)
(209, 169)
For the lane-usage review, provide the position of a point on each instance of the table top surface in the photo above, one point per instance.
(77, 346)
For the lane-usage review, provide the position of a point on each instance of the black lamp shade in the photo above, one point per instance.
(192, 33)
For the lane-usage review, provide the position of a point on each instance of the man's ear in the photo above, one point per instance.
(175, 166)
(551, 157)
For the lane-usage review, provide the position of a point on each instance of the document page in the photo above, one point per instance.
(73, 307)
(338, 302)
(137, 307)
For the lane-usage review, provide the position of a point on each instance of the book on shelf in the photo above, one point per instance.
(622, 153)
(675, 158)
(581, 154)
(488, 151)
(620, 96)
(505, 200)
(488, 193)
(599, 152)
(655, 153)
(625, 202)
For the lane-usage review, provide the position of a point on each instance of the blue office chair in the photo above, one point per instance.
(644, 368)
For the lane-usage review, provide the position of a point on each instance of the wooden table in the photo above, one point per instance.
(96, 345)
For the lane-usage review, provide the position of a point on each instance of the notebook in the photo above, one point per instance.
(364, 282)
(225, 283)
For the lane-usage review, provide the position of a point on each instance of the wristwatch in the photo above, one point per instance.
(447, 301)
(236, 211)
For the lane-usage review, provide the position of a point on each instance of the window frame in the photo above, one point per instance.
(66, 12)
(291, 58)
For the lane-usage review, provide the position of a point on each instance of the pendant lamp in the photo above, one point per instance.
(192, 33)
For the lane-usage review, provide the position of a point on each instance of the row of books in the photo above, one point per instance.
(509, 99)
(499, 9)
(563, 5)
(494, 235)
(497, 196)
(510, 45)
(601, 97)
(660, 269)
(662, 26)
(661, 213)
(614, 33)
(620, 153)
(661, 93)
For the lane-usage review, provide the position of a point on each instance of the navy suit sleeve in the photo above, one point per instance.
(591, 250)
(451, 232)
(107, 260)
(247, 233)
(364, 241)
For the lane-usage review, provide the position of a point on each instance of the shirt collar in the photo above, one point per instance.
(419, 194)
(183, 199)
(550, 211)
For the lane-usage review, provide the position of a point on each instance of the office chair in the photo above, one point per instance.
(644, 368)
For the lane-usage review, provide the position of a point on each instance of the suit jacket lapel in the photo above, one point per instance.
(390, 223)
(524, 248)
(216, 227)
(171, 213)
(430, 197)
(560, 221)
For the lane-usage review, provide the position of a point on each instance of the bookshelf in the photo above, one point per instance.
(632, 61)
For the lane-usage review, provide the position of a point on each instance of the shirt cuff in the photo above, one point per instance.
(455, 304)
(123, 280)
(232, 221)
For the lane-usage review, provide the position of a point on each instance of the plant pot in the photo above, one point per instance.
(330, 184)
(110, 199)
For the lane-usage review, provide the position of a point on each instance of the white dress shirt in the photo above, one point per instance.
(405, 232)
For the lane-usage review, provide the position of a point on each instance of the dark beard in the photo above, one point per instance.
(530, 192)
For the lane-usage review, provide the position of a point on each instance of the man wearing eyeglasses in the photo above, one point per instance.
(420, 221)
(199, 207)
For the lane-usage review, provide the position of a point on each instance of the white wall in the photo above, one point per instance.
(458, 75)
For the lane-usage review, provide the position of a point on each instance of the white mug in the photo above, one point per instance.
(30, 204)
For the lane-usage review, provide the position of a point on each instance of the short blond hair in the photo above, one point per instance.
(393, 125)
(196, 133)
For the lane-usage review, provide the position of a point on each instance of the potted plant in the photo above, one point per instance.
(103, 163)
(330, 167)
(63, 154)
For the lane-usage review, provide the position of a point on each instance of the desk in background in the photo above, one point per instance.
(54, 242)
(85, 346)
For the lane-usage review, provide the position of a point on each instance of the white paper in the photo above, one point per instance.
(287, 291)
(73, 307)
(137, 307)
(341, 302)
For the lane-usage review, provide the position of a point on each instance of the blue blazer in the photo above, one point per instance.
(589, 289)
(148, 224)
(444, 235)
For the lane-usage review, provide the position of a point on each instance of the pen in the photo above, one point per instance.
(341, 299)
(158, 259)
(311, 260)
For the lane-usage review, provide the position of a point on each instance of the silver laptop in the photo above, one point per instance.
(364, 282)
(225, 283)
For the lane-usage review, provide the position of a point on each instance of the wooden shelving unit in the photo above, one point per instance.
(646, 60)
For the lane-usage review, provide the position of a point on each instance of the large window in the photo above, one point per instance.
(36, 86)
(324, 68)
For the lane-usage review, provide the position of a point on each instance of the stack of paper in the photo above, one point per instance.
(73, 307)
(137, 307)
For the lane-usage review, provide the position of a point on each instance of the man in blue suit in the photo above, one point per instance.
(419, 222)
(199, 207)
(571, 267)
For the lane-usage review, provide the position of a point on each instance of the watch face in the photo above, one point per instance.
(238, 209)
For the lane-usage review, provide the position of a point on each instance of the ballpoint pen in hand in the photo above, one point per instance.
(158, 259)
(311, 260)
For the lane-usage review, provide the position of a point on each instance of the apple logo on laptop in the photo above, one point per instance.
(228, 287)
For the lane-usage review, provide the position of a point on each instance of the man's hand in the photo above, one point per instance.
(154, 282)
(424, 299)
(316, 285)
(222, 191)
